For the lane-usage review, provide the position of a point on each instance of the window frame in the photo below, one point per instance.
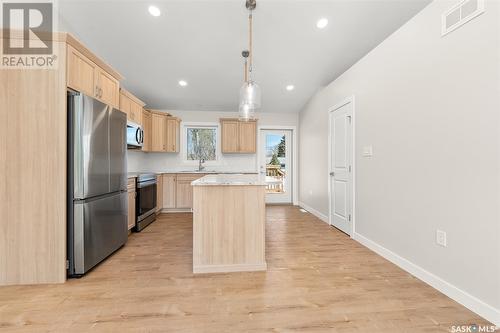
(208, 125)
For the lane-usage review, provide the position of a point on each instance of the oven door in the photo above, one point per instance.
(146, 199)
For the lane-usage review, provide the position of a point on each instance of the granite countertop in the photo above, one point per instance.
(231, 180)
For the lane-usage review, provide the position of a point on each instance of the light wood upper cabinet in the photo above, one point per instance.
(132, 106)
(108, 88)
(136, 110)
(169, 190)
(238, 136)
(85, 76)
(173, 129)
(248, 137)
(164, 133)
(125, 103)
(81, 72)
(146, 125)
(158, 132)
(230, 136)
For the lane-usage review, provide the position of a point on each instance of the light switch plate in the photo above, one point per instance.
(368, 151)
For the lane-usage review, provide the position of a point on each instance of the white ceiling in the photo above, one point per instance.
(201, 42)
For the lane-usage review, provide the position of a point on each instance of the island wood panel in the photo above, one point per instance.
(33, 174)
(169, 191)
(228, 228)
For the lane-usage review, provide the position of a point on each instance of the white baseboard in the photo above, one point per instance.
(313, 211)
(470, 302)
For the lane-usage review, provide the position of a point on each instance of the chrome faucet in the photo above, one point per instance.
(201, 167)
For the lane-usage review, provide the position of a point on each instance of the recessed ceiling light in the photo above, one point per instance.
(290, 87)
(154, 11)
(183, 83)
(322, 23)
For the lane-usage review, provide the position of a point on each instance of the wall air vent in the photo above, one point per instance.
(460, 14)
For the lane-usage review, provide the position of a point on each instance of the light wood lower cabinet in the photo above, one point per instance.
(169, 191)
(159, 193)
(131, 203)
(185, 190)
(177, 192)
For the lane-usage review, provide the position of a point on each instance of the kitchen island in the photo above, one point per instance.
(229, 223)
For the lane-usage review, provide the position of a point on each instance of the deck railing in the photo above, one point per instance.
(278, 177)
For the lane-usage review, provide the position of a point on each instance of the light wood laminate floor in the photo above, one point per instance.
(318, 280)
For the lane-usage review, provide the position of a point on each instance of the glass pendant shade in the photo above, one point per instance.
(250, 100)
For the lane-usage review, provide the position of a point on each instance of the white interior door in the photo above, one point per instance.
(341, 180)
(276, 163)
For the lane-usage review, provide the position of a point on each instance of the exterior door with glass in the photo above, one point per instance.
(276, 163)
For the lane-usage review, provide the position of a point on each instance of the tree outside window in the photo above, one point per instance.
(201, 143)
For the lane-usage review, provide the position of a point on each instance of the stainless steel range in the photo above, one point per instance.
(145, 200)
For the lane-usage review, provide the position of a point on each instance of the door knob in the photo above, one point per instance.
(332, 173)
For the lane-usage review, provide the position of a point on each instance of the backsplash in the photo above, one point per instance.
(148, 162)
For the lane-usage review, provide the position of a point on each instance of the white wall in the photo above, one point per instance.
(430, 107)
(138, 161)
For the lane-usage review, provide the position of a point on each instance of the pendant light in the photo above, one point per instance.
(250, 94)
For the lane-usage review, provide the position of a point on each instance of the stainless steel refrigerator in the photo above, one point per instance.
(97, 182)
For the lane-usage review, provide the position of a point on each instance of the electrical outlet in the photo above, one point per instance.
(441, 238)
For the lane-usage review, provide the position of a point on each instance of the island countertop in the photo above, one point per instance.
(231, 180)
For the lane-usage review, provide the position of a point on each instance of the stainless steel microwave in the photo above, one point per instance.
(135, 136)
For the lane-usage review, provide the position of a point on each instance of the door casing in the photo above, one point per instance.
(349, 100)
